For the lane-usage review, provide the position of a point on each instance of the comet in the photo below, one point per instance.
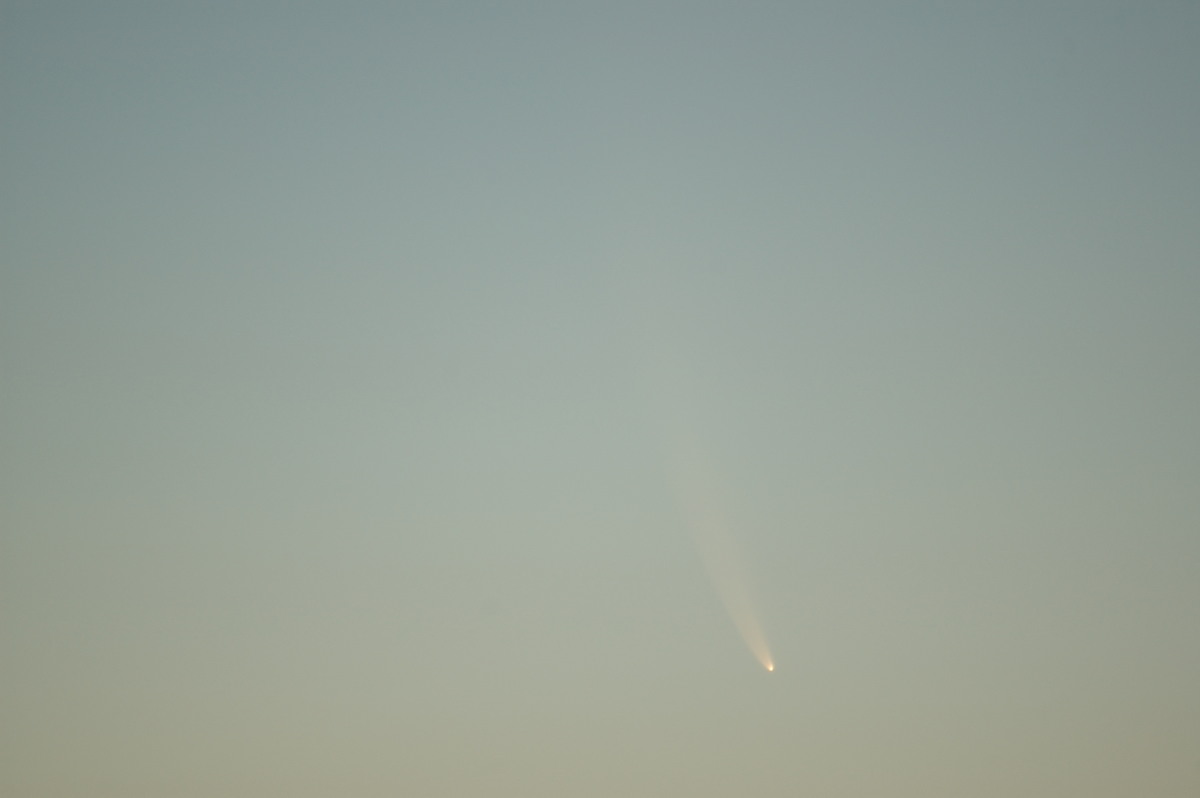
(698, 492)
(697, 486)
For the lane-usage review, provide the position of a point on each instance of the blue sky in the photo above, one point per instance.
(359, 360)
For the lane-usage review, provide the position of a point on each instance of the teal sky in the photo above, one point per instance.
(358, 361)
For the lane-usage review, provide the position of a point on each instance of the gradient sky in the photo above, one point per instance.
(352, 354)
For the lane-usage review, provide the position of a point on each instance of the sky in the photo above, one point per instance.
(455, 399)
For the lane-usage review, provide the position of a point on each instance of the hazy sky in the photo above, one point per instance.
(372, 376)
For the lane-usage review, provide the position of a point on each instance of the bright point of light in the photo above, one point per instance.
(770, 666)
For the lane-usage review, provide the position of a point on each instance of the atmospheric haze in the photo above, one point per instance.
(396, 397)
